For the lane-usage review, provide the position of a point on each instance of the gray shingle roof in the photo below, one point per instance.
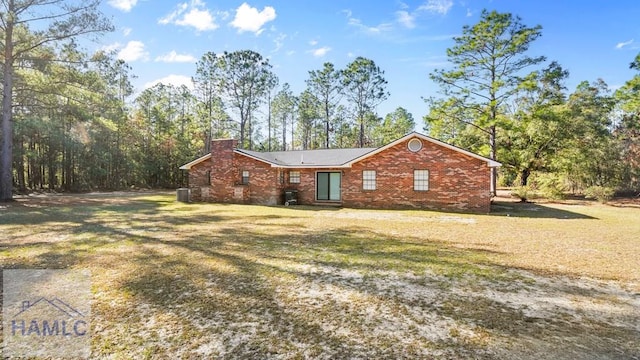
(335, 157)
(309, 158)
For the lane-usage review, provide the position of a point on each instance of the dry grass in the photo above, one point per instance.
(205, 280)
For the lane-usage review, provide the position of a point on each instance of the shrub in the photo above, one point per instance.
(524, 193)
(600, 193)
(551, 186)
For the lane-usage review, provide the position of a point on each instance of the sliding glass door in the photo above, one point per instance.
(328, 186)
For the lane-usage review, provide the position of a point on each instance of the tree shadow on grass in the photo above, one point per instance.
(260, 275)
(307, 293)
(532, 210)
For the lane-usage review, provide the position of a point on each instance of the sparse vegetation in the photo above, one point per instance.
(551, 186)
(600, 193)
(524, 193)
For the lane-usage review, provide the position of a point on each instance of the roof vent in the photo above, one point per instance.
(414, 145)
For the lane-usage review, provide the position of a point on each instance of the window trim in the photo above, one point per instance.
(420, 183)
(414, 145)
(369, 183)
(298, 177)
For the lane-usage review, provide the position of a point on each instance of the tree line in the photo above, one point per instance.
(237, 94)
(500, 101)
(72, 122)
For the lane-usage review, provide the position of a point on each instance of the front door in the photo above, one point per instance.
(328, 186)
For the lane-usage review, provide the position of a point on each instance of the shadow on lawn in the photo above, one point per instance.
(532, 210)
(252, 295)
(257, 294)
(230, 282)
(498, 208)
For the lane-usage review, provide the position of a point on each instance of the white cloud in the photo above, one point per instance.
(133, 51)
(373, 30)
(171, 18)
(620, 45)
(279, 42)
(406, 19)
(174, 57)
(313, 42)
(173, 79)
(111, 47)
(202, 20)
(437, 6)
(192, 14)
(250, 19)
(126, 31)
(469, 13)
(124, 5)
(320, 52)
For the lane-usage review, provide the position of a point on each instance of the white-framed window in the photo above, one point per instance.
(294, 177)
(420, 180)
(245, 177)
(368, 179)
(414, 145)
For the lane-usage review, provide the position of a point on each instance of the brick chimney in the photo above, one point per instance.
(220, 146)
(223, 169)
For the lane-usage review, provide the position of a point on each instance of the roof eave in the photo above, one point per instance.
(490, 163)
(311, 166)
(197, 161)
(238, 151)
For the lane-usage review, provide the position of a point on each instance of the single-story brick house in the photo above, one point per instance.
(415, 171)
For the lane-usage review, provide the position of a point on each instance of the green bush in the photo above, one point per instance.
(551, 186)
(506, 179)
(600, 193)
(524, 193)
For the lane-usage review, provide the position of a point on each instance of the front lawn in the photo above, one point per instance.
(175, 280)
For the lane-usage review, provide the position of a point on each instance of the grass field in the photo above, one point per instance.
(173, 280)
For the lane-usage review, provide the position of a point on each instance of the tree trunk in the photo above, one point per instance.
(6, 149)
(20, 168)
(284, 132)
(524, 177)
(361, 140)
(326, 130)
(293, 126)
(492, 156)
(269, 120)
(242, 131)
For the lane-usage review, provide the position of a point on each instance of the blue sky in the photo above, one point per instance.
(163, 39)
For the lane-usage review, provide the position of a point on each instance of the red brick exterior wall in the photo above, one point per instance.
(456, 181)
(225, 186)
(307, 186)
